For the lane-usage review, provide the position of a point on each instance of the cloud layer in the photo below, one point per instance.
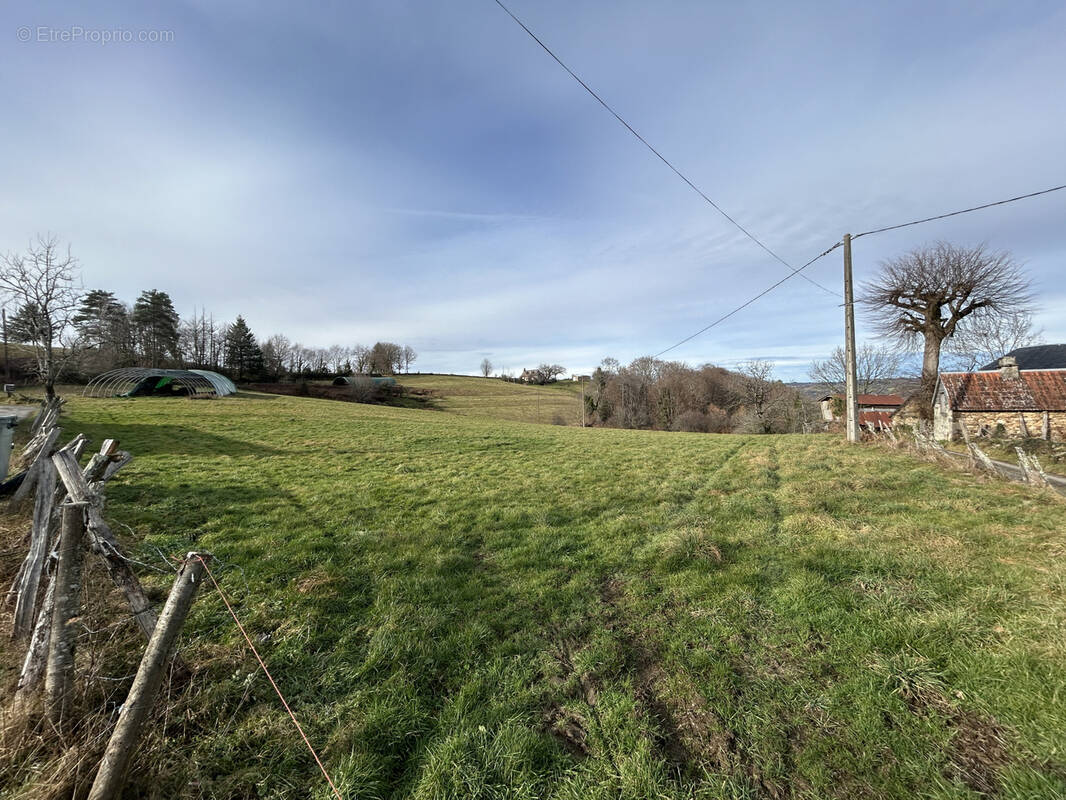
(425, 173)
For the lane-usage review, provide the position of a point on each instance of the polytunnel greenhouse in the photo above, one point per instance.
(147, 382)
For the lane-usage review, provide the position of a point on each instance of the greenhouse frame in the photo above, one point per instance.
(148, 382)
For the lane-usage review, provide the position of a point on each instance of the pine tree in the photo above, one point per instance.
(26, 326)
(243, 356)
(103, 323)
(155, 325)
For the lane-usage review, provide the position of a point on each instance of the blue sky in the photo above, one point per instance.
(424, 173)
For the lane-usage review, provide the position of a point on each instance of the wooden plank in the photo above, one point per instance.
(40, 539)
(33, 473)
(37, 652)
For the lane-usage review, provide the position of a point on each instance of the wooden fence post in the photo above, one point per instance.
(981, 460)
(30, 575)
(59, 670)
(112, 773)
(104, 543)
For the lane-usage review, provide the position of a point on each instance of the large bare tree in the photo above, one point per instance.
(45, 279)
(928, 292)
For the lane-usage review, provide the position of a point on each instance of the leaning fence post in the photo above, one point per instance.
(112, 773)
(59, 670)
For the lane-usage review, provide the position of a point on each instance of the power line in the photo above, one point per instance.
(956, 213)
(744, 305)
(856, 236)
(658, 155)
(270, 678)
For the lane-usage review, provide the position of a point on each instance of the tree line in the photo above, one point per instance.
(85, 333)
(670, 395)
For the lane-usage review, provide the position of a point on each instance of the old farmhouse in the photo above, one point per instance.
(1017, 403)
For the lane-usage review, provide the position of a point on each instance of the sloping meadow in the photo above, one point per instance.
(460, 607)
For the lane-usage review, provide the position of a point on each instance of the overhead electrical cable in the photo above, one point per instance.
(657, 154)
(956, 213)
(742, 306)
(856, 236)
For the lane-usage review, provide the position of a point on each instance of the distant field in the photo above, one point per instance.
(458, 606)
(556, 403)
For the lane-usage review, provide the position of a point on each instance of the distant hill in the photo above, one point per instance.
(901, 386)
(558, 403)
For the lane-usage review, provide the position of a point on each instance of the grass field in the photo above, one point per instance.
(458, 606)
(555, 403)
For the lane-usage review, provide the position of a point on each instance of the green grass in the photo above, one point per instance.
(555, 403)
(459, 607)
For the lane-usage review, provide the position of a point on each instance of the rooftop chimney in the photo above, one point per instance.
(1008, 368)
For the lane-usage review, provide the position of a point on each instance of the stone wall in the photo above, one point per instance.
(1011, 422)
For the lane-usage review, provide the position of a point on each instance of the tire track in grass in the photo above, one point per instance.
(684, 731)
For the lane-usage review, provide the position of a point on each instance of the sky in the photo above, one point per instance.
(424, 173)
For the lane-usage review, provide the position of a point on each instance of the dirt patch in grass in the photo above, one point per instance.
(978, 749)
(685, 730)
(569, 729)
(978, 752)
(567, 726)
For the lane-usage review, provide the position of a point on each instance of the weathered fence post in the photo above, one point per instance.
(59, 670)
(104, 543)
(981, 460)
(112, 772)
(30, 575)
(1031, 469)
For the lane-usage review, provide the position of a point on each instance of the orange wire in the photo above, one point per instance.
(271, 679)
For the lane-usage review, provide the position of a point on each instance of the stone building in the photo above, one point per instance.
(1017, 403)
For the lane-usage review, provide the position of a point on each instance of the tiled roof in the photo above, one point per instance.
(880, 400)
(1041, 356)
(875, 419)
(1033, 390)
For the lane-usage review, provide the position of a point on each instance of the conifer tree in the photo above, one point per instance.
(243, 356)
(155, 324)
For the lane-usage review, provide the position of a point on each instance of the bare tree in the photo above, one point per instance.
(277, 352)
(409, 356)
(486, 368)
(361, 359)
(984, 338)
(873, 366)
(755, 385)
(546, 373)
(386, 358)
(926, 293)
(43, 278)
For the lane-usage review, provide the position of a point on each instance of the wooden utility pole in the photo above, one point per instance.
(851, 402)
(582, 401)
(112, 773)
